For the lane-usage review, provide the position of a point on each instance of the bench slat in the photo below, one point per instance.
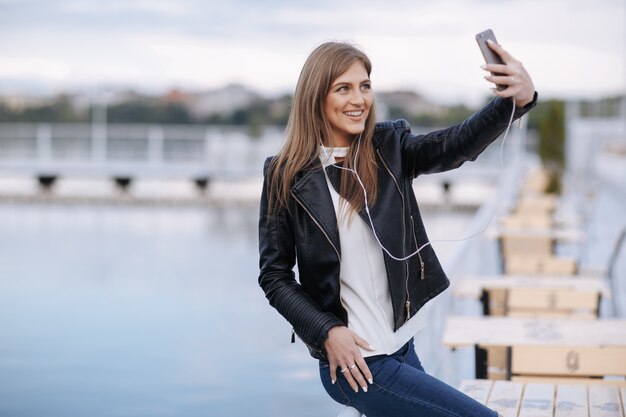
(571, 401)
(538, 401)
(568, 361)
(477, 389)
(556, 380)
(505, 398)
(604, 401)
(552, 299)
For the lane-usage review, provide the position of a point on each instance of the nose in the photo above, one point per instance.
(357, 98)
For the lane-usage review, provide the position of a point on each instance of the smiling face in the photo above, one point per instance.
(347, 104)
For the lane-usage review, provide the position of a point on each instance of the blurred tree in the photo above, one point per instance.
(59, 109)
(550, 119)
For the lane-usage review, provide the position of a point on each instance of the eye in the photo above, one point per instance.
(342, 88)
(366, 86)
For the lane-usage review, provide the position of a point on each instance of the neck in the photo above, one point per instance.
(338, 142)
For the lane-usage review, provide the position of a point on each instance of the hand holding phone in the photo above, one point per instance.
(490, 56)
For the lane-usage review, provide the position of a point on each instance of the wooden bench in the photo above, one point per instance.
(536, 182)
(509, 348)
(518, 264)
(520, 243)
(521, 296)
(542, 203)
(531, 250)
(516, 399)
(537, 302)
(525, 220)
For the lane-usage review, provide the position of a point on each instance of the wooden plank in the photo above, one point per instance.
(576, 300)
(497, 301)
(497, 362)
(558, 265)
(477, 389)
(537, 401)
(518, 263)
(551, 314)
(571, 401)
(568, 380)
(535, 183)
(472, 286)
(503, 331)
(536, 205)
(552, 299)
(568, 360)
(531, 298)
(522, 245)
(505, 398)
(623, 395)
(604, 401)
(523, 220)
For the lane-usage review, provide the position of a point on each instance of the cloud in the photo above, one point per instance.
(571, 46)
(33, 67)
(161, 7)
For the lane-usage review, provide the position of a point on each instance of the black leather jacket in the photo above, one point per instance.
(307, 232)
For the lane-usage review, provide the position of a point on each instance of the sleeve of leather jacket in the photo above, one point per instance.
(447, 149)
(277, 257)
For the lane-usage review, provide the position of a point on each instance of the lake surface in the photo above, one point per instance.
(139, 311)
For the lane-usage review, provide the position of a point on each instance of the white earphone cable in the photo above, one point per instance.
(367, 209)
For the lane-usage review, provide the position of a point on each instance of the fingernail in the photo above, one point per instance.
(364, 388)
(356, 390)
(371, 381)
(489, 41)
(372, 347)
(332, 381)
(483, 66)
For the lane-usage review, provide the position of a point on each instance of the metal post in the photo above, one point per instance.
(155, 145)
(44, 144)
(99, 130)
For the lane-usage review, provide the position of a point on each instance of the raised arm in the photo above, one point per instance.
(446, 149)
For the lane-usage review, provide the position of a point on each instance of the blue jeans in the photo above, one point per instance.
(403, 389)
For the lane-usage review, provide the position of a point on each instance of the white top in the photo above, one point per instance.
(364, 285)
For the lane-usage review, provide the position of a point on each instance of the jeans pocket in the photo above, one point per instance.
(335, 391)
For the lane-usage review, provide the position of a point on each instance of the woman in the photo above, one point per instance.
(338, 199)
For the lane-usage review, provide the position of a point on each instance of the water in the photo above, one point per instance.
(138, 311)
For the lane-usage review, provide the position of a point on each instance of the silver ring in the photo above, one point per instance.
(344, 370)
(353, 366)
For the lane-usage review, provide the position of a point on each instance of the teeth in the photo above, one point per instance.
(354, 113)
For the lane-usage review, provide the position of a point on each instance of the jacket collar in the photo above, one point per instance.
(311, 191)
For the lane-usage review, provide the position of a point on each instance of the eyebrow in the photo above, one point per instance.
(337, 84)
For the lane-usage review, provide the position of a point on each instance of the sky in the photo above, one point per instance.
(572, 48)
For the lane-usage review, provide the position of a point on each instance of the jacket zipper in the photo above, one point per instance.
(293, 331)
(293, 340)
(422, 273)
(318, 225)
(407, 303)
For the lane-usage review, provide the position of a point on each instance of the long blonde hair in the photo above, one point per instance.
(307, 126)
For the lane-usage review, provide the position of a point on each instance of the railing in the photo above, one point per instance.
(140, 150)
(135, 150)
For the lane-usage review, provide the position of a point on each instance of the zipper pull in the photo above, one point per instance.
(408, 310)
(422, 273)
(293, 335)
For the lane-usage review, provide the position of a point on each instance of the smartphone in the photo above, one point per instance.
(491, 57)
